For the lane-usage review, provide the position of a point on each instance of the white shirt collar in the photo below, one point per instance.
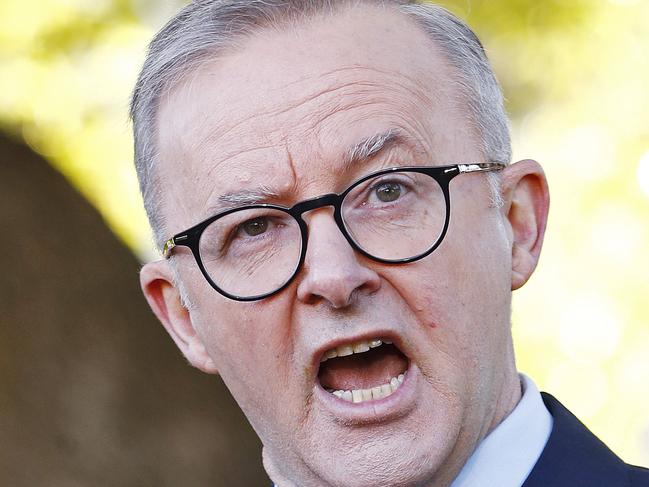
(507, 455)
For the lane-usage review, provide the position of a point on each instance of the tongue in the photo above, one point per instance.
(363, 370)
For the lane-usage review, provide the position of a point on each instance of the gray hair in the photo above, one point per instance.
(204, 28)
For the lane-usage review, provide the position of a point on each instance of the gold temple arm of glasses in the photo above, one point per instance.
(170, 244)
(481, 166)
(166, 250)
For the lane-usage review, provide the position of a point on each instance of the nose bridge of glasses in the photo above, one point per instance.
(331, 199)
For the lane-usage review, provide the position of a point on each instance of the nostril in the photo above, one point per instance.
(337, 283)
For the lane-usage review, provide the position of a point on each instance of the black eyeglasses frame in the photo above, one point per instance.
(442, 174)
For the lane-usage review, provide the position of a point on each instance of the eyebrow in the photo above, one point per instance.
(363, 150)
(372, 145)
(248, 197)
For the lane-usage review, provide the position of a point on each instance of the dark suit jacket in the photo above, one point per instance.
(574, 457)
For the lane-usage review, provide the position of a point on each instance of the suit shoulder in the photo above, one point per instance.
(575, 457)
(638, 476)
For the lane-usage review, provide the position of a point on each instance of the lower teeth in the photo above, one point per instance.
(378, 392)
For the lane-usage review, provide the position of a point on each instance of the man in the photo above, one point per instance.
(342, 229)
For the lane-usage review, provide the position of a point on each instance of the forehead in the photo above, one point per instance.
(284, 108)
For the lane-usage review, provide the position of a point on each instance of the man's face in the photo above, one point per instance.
(281, 114)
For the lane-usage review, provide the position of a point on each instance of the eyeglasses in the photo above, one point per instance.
(392, 216)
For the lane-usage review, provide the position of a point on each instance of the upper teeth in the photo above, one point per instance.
(351, 348)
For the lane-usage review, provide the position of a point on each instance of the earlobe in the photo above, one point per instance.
(163, 296)
(527, 201)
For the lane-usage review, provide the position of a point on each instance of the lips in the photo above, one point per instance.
(364, 370)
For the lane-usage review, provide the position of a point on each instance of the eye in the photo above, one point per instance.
(254, 227)
(388, 192)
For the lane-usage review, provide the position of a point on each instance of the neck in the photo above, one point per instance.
(274, 473)
(507, 393)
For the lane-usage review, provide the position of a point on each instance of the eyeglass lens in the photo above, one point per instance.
(252, 251)
(255, 251)
(395, 216)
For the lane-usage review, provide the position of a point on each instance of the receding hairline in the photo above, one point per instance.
(238, 43)
(433, 70)
(284, 15)
(423, 73)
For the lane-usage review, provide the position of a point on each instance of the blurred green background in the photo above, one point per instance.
(576, 78)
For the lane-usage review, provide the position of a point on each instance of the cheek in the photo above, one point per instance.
(228, 341)
(246, 341)
(462, 280)
(461, 293)
(477, 251)
(481, 268)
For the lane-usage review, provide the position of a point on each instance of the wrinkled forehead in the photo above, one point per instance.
(285, 109)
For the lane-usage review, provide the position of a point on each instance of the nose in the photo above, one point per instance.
(333, 272)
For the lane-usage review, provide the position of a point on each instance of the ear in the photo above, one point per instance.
(159, 288)
(527, 201)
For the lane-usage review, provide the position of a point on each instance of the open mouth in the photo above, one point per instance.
(363, 371)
